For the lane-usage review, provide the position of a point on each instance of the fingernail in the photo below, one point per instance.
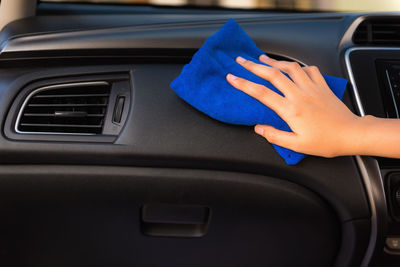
(264, 57)
(259, 130)
(240, 60)
(231, 77)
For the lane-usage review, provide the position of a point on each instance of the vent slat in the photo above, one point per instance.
(77, 108)
(74, 95)
(388, 24)
(385, 32)
(387, 41)
(60, 125)
(67, 105)
(53, 115)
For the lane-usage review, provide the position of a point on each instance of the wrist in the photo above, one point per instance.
(362, 131)
(352, 137)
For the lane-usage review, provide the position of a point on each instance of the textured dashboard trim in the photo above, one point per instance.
(369, 168)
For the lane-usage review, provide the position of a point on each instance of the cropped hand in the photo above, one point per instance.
(322, 125)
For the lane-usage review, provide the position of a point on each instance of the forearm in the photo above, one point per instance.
(377, 137)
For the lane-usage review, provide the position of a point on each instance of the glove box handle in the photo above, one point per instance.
(168, 220)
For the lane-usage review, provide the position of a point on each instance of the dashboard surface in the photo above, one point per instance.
(163, 137)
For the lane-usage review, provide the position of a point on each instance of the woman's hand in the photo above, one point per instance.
(322, 125)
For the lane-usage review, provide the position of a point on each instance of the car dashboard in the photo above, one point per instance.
(101, 163)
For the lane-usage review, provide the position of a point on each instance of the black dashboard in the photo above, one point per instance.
(161, 184)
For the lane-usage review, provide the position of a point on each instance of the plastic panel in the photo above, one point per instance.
(162, 130)
(82, 215)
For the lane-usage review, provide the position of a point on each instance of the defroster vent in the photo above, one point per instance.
(71, 108)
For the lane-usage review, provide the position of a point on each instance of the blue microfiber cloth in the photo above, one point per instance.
(202, 83)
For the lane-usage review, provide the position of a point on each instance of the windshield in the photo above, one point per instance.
(299, 5)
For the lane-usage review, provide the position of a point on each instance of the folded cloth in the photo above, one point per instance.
(202, 83)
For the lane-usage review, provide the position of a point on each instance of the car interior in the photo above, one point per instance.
(102, 164)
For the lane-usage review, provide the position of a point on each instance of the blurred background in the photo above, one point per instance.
(323, 5)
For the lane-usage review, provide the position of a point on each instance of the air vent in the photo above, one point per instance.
(378, 32)
(72, 108)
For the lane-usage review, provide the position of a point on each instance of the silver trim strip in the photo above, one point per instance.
(374, 225)
(51, 87)
(364, 173)
(352, 80)
(391, 91)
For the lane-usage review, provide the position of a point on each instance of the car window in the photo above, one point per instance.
(300, 5)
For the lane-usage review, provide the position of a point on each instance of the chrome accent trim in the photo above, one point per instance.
(50, 87)
(374, 226)
(391, 92)
(360, 162)
(352, 80)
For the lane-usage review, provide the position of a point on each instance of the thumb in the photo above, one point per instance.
(277, 137)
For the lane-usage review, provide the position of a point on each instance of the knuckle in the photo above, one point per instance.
(328, 155)
(293, 65)
(248, 64)
(259, 92)
(313, 69)
(270, 136)
(238, 82)
(294, 111)
(242, 84)
(274, 73)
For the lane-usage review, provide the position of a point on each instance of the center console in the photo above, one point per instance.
(375, 76)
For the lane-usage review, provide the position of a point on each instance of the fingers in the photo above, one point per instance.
(273, 75)
(277, 137)
(293, 69)
(312, 71)
(257, 91)
(315, 75)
